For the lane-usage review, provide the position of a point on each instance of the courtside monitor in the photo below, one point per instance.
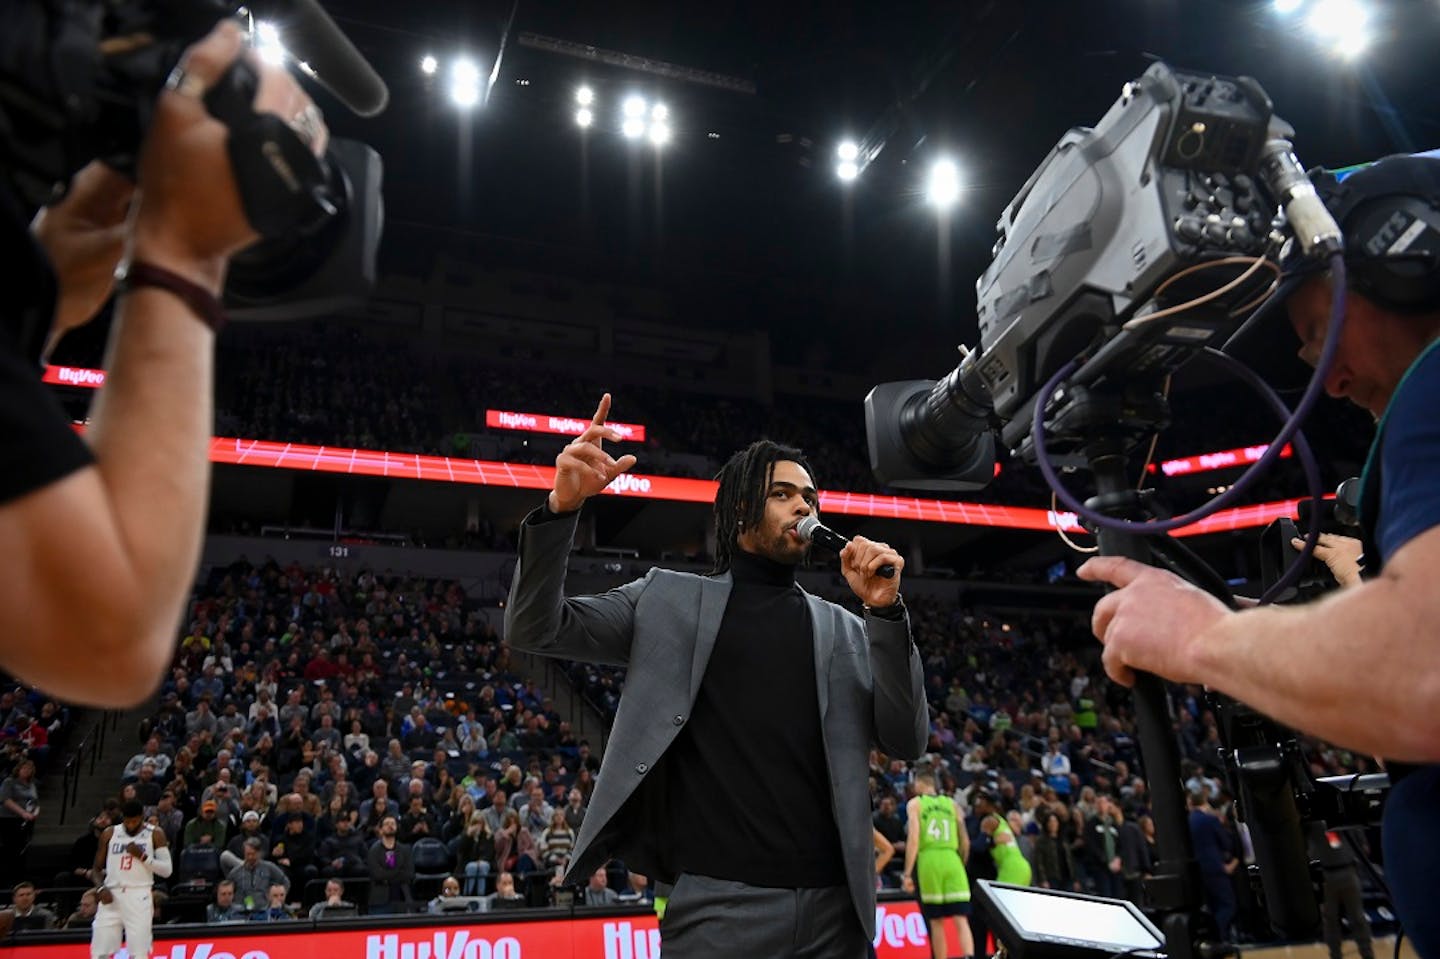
(1048, 924)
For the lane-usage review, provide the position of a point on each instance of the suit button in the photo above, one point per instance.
(642, 768)
(679, 720)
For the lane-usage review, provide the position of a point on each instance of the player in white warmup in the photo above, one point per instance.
(130, 856)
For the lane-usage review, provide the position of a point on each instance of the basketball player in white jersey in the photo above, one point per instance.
(130, 856)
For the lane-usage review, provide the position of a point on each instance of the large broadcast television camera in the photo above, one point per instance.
(1171, 198)
(1134, 247)
(79, 80)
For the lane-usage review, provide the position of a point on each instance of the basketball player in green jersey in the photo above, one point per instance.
(1010, 863)
(935, 849)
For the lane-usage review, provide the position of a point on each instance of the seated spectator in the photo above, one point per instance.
(334, 905)
(505, 896)
(224, 908)
(459, 812)
(392, 870)
(356, 742)
(230, 719)
(275, 909)
(152, 752)
(514, 846)
(449, 899)
(475, 853)
(207, 827)
(597, 891)
(81, 859)
(417, 822)
(33, 737)
(250, 827)
(495, 813)
(147, 787)
(294, 851)
(254, 877)
(167, 815)
(537, 814)
(84, 915)
(343, 852)
(556, 841)
(27, 915)
(575, 809)
(201, 718)
(374, 810)
(638, 889)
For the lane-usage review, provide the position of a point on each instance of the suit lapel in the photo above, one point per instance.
(714, 594)
(822, 637)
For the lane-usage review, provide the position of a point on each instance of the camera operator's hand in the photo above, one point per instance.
(84, 235)
(189, 218)
(583, 468)
(1152, 622)
(1340, 553)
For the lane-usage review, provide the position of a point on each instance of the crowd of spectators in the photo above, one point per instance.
(365, 729)
(326, 745)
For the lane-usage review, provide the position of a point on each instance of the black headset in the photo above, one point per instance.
(1389, 213)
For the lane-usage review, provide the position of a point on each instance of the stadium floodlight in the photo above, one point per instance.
(634, 107)
(583, 117)
(1351, 45)
(847, 170)
(267, 43)
(584, 96)
(465, 82)
(659, 113)
(428, 65)
(944, 186)
(1287, 6)
(848, 151)
(633, 128)
(659, 133)
(1336, 20)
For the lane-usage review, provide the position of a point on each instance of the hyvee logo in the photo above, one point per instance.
(898, 931)
(625, 483)
(440, 946)
(80, 377)
(623, 941)
(201, 950)
(518, 421)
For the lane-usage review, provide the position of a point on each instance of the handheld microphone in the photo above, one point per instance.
(811, 530)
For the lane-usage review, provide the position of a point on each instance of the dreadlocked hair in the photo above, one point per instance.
(740, 500)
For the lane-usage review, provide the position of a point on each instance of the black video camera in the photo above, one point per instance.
(79, 80)
(1134, 245)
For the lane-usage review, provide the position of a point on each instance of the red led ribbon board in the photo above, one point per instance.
(900, 934)
(1226, 459)
(446, 469)
(449, 469)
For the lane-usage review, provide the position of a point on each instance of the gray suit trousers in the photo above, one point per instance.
(708, 918)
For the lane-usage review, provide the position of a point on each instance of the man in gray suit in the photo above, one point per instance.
(737, 766)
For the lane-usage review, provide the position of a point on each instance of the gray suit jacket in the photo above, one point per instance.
(663, 627)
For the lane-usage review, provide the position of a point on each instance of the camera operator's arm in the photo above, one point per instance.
(1314, 667)
(108, 552)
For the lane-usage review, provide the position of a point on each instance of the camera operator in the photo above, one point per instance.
(1361, 667)
(107, 532)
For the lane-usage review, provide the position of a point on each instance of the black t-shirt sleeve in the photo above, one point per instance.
(37, 444)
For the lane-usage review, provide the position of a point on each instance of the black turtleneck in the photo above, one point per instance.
(749, 782)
